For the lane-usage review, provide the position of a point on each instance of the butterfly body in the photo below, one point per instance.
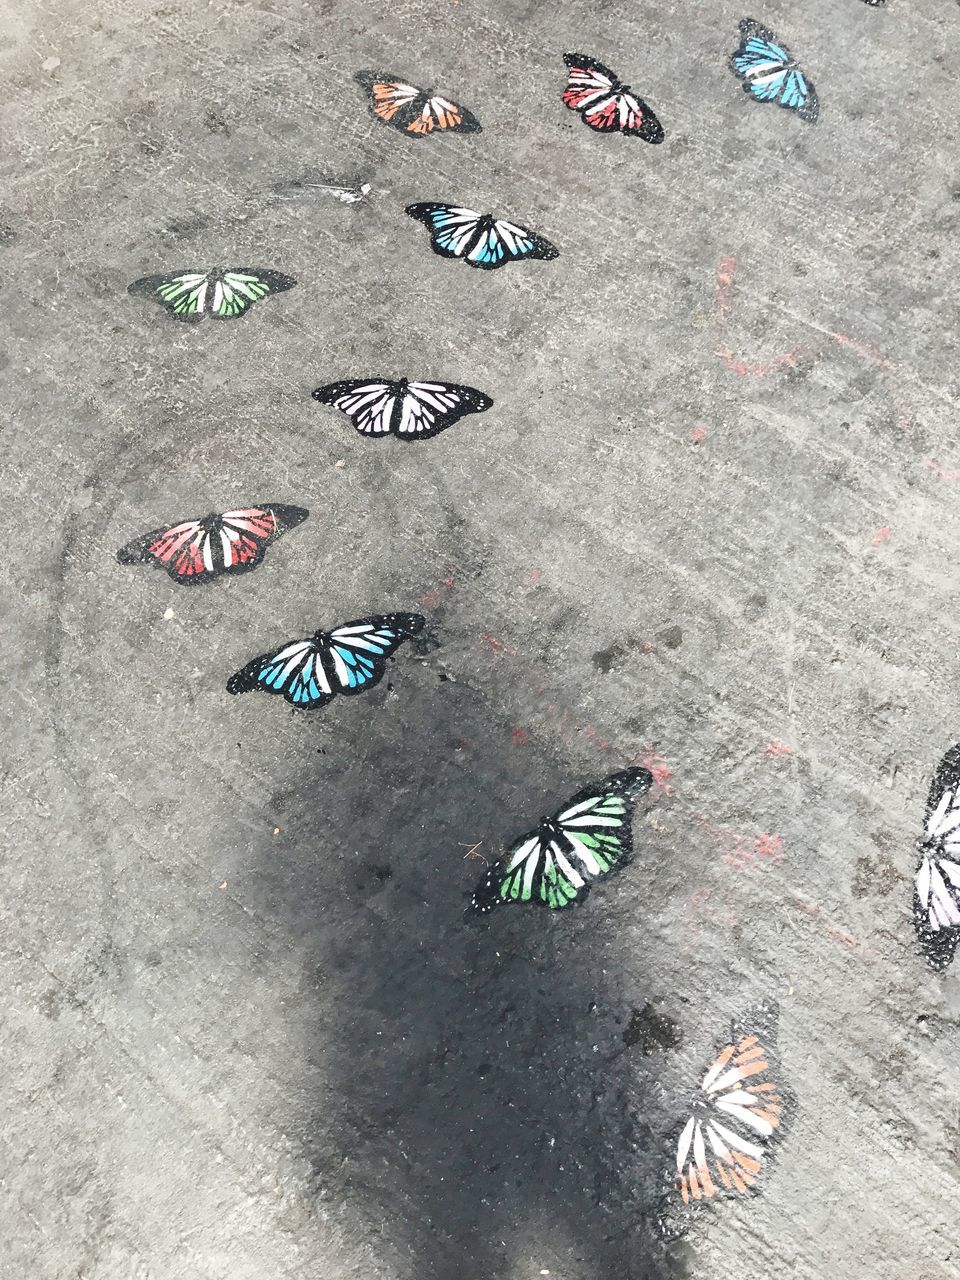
(201, 549)
(555, 865)
(605, 103)
(479, 239)
(222, 293)
(347, 660)
(936, 885)
(414, 111)
(770, 72)
(411, 410)
(739, 1113)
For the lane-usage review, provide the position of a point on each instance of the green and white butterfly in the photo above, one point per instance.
(555, 865)
(221, 293)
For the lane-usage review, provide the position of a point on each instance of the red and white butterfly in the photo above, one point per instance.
(412, 110)
(201, 549)
(604, 103)
(936, 886)
(739, 1112)
(408, 410)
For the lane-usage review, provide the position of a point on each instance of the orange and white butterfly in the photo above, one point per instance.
(413, 110)
(739, 1112)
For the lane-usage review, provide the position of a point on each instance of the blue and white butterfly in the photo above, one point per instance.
(479, 239)
(347, 660)
(770, 72)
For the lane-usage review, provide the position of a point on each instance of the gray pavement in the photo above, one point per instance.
(711, 523)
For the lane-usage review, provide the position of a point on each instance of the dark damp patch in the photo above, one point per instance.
(478, 1110)
(651, 1031)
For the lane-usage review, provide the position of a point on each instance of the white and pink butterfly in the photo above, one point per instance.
(204, 547)
(604, 103)
(936, 885)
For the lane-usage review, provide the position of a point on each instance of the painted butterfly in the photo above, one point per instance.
(221, 293)
(479, 239)
(604, 103)
(414, 111)
(408, 410)
(936, 885)
(770, 72)
(555, 865)
(740, 1111)
(204, 548)
(347, 660)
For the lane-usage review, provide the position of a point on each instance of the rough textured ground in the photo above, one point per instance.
(711, 523)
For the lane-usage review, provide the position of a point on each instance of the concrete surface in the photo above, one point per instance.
(711, 522)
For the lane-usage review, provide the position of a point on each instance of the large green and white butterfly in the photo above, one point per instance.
(219, 292)
(555, 865)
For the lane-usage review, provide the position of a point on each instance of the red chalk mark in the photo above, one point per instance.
(520, 737)
(709, 906)
(726, 272)
(534, 576)
(740, 851)
(945, 473)
(430, 599)
(658, 767)
(826, 925)
(723, 298)
(881, 536)
(775, 749)
(497, 646)
(698, 435)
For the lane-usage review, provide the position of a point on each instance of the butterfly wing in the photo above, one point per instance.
(185, 551)
(769, 72)
(606, 105)
(185, 295)
(295, 672)
(504, 242)
(357, 651)
(741, 1111)
(440, 113)
(245, 534)
(368, 404)
(235, 291)
(427, 408)
(392, 99)
(936, 886)
(452, 229)
(517, 877)
(589, 838)
(597, 824)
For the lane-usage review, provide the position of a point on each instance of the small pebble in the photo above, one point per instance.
(49, 65)
(168, 614)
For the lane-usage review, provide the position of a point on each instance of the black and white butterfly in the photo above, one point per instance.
(936, 885)
(555, 865)
(347, 660)
(408, 410)
(223, 293)
(479, 239)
